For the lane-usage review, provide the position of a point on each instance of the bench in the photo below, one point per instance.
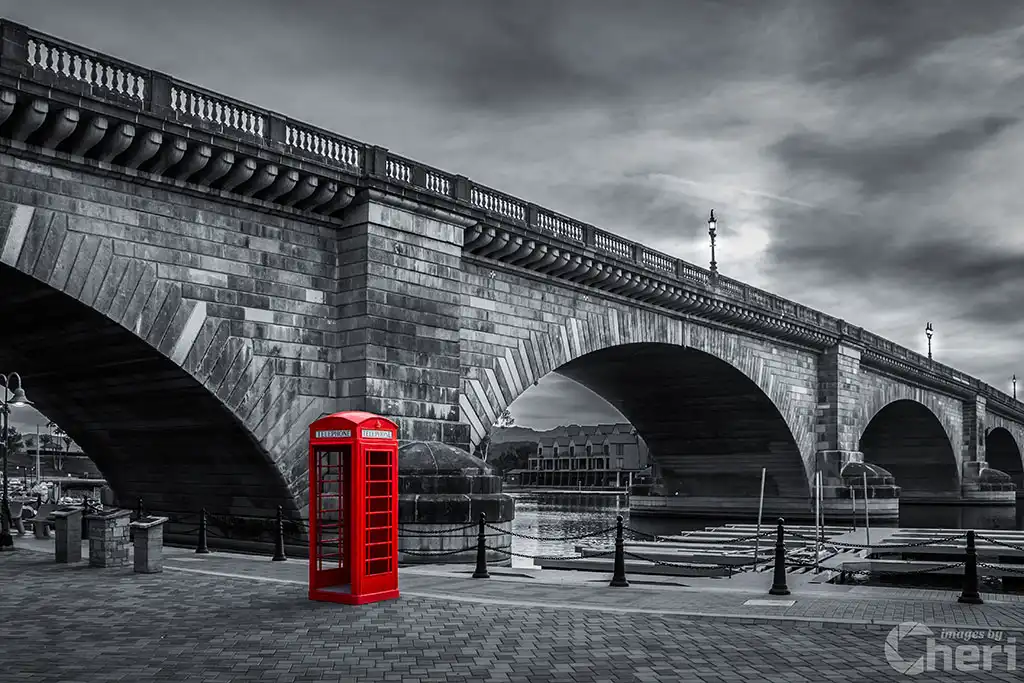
(14, 511)
(43, 520)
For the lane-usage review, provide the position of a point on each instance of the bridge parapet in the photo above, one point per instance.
(211, 127)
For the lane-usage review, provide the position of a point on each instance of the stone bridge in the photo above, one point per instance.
(189, 280)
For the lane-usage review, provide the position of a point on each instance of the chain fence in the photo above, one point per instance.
(806, 556)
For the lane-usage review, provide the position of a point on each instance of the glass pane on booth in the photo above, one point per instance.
(379, 513)
(330, 507)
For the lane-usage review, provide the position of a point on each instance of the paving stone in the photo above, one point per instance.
(104, 625)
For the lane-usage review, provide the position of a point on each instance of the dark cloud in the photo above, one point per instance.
(889, 167)
(869, 39)
(862, 154)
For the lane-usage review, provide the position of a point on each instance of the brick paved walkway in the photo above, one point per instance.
(67, 624)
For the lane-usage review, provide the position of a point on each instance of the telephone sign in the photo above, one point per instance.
(334, 434)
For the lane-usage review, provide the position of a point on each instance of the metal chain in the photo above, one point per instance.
(811, 565)
(934, 541)
(547, 557)
(742, 539)
(986, 539)
(437, 553)
(542, 538)
(663, 563)
(1012, 570)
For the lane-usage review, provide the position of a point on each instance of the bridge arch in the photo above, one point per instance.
(908, 438)
(711, 412)
(1002, 452)
(169, 404)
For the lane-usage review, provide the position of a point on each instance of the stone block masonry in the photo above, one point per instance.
(109, 538)
(236, 299)
(148, 545)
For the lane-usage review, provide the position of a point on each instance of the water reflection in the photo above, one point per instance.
(557, 517)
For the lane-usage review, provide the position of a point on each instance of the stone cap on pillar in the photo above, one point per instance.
(148, 522)
(853, 474)
(109, 514)
(67, 511)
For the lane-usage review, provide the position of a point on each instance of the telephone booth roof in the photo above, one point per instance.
(352, 418)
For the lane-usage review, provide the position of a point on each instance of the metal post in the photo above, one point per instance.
(853, 507)
(481, 550)
(779, 586)
(39, 468)
(6, 539)
(139, 511)
(817, 521)
(619, 569)
(867, 517)
(760, 509)
(970, 594)
(279, 555)
(201, 548)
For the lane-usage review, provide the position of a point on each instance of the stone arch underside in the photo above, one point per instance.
(154, 431)
(906, 438)
(1003, 453)
(710, 428)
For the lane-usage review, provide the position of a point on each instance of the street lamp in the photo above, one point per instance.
(1014, 380)
(929, 331)
(14, 395)
(712, 231)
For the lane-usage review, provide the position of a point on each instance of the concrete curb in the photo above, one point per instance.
(809, 623)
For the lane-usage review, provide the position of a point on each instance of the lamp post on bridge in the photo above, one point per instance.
(1014, 381)
(14, 395)
(929, 331)
(712, 231)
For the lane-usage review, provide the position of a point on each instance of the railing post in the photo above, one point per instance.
(279, 555)
(201, 548)
(970, 594)
(481, 550)
(619, 569)
(779, 586)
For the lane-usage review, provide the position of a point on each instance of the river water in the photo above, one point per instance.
(558, 517)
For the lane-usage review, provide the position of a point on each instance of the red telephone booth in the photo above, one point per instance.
(353, 508)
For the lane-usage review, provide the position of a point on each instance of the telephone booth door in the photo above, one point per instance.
(353, 508)
(329, 563)
(380, 517)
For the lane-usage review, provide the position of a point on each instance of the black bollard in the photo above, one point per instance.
(481, 550)
(279, 555)
(779, 586)
(201, 548)
(619, 569)
(970, 594)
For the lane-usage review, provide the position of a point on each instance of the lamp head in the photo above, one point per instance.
(712, 223)
(928, 330)
(19, 398)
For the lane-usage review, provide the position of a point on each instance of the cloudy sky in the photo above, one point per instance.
(862, 155)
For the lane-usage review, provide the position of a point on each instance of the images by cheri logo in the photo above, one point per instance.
(912, 648)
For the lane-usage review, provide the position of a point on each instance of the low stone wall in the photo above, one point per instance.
(435, 539)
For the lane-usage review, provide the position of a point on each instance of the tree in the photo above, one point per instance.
(15, 441)
(504, 421)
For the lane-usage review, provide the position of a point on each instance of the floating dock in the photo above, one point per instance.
(724, 551)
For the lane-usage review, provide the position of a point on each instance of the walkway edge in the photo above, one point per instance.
(814, 622)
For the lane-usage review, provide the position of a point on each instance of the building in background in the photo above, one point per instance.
(574, 456)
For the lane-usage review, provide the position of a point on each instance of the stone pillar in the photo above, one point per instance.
(837, 444)
(442, 491)
(108, 538)
(149, 544)
(67, 547)
(399, 306)
(978, 483)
